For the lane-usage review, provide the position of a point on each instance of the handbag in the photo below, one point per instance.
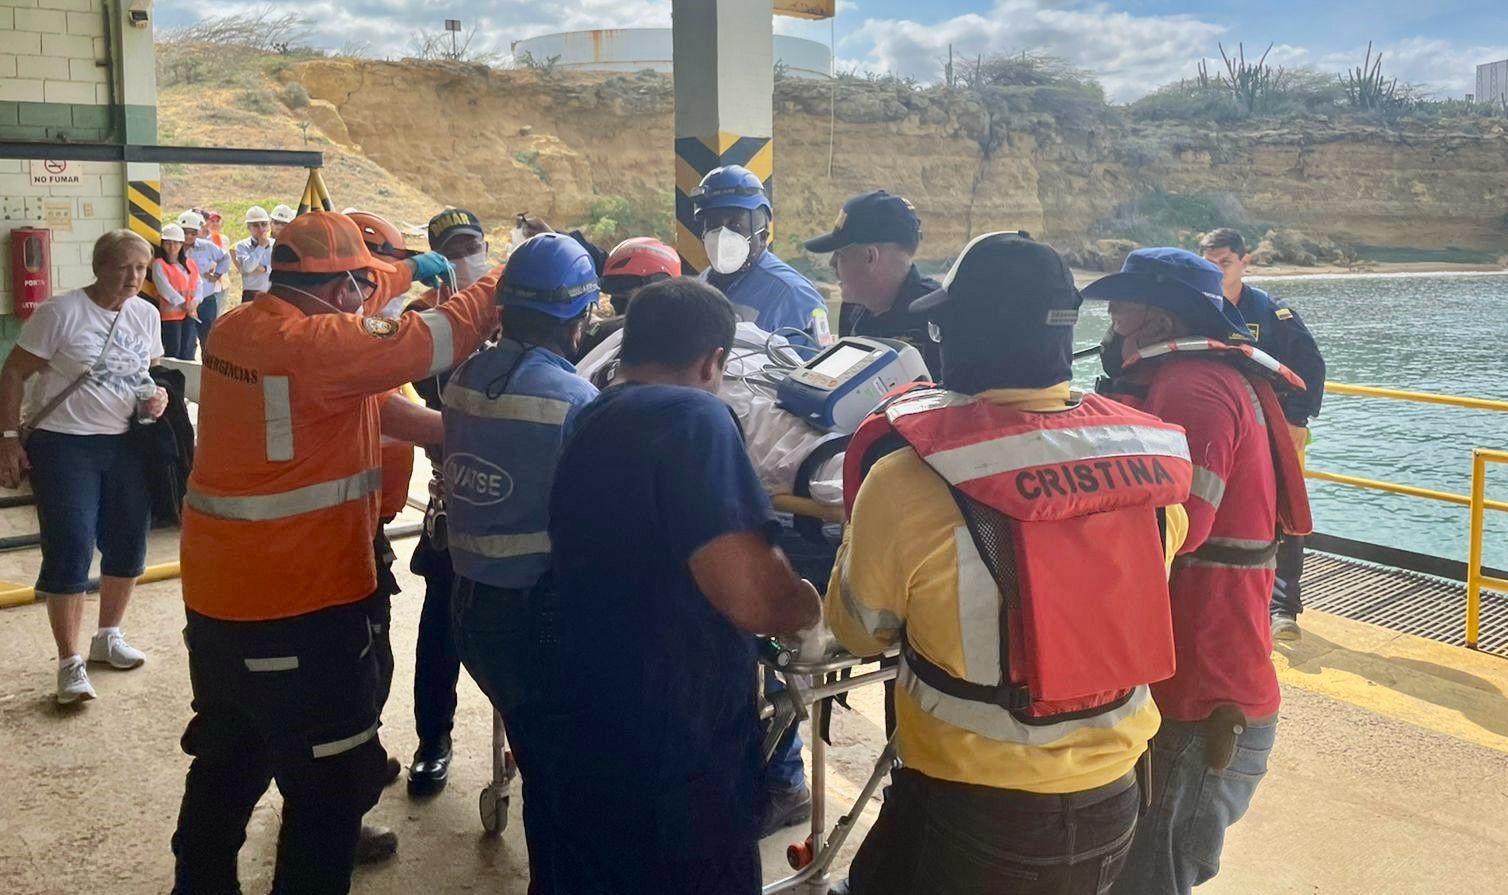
(31, 425)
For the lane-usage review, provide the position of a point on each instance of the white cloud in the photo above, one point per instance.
(1130, 54)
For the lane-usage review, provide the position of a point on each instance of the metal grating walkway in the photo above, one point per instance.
(1402, 601)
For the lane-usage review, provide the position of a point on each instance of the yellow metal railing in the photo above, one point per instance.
(1475, 580)
(1477, 502)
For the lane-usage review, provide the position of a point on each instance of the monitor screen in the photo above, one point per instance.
(838, 361)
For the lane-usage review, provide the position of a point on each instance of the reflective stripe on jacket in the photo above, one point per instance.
(505, 415)
(282, 504)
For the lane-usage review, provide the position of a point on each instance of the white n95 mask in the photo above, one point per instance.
(726, 250)
(470, 269)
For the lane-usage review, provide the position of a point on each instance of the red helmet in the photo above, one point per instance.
(381, 237)
(643, 257)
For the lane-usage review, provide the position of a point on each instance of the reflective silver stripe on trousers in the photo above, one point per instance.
(443, 337)
(274, 663)
(875, 622)
(1208, 487)
(978, 612)
(265, 507)
(501, 546)
(1048, 446)
(517, 408)
(325, 750)
(277, 418)
(998, 724)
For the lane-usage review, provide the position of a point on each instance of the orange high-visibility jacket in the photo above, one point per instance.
(282, 505)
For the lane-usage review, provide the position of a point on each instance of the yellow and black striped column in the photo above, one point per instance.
(724, 100)
(695, 157)
(144, 212)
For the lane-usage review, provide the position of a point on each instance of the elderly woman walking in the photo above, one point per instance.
(93, 347)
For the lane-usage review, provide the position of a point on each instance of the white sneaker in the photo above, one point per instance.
(114, 649)
(73, 684)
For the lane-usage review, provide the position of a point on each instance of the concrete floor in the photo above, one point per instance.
(1390, 774)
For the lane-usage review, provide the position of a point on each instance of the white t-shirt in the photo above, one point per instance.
(68, 331)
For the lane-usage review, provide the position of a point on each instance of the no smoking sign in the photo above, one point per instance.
(50, 172)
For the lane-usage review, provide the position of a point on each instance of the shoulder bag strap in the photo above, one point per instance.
(31, 425)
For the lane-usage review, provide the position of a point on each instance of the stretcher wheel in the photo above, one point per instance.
(493, 805)
(799, 854)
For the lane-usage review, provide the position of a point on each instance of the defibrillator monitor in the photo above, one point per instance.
(838, 388)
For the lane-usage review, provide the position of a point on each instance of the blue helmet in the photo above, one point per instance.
(550, 273)
(731, 186)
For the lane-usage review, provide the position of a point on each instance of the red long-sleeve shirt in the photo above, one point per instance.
(1221, 624)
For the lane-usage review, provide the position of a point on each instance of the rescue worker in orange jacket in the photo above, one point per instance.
(1188, 358)
(1011, 536)
(286, 621)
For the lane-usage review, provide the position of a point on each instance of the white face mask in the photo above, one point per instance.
(726, 250)
(360, 310)
(470, 269)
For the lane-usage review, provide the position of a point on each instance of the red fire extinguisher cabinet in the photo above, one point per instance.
(30, 268)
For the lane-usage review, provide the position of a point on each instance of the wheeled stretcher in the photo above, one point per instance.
(496, 795)
(810, 690)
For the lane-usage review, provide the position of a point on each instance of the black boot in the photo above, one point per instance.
(431, 768)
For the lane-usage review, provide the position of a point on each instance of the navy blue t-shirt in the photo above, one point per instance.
(662, 685)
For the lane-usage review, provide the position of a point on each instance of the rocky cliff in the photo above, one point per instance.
(555, 145)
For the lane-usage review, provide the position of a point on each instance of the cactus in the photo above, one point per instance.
(1367, 89)
(1252, 85)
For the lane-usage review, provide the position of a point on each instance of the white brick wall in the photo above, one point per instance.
(48, 50)
(98, 204)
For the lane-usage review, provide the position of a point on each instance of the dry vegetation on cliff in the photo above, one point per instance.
(1013, 142)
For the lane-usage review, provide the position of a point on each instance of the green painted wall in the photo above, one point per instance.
(43, 122)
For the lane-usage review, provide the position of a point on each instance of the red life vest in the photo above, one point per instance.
(1264, 374)
(1063, 508)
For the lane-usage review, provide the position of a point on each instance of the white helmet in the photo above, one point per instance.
(256, 214)
(191, 220)
(283, 214)
(172, 232)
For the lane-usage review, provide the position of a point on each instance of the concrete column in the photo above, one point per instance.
(135, 72)
(724, 100)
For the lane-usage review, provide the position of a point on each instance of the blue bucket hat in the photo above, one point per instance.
(1179, 282)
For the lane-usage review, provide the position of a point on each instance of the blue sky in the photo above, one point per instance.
(1132, 46)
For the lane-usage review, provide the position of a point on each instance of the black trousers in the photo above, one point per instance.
(298, 701)
(947, 838)
(437, 665)
(1286, 593)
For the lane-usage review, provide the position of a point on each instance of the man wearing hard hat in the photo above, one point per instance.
(254, 253)
(285, 661)
(281, 216)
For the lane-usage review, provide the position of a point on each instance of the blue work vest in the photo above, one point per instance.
(502, 442)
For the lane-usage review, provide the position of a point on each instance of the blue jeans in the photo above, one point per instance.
(1178, 843)
(785, 770)
(209, 309)
(178, 338)
(91, 492)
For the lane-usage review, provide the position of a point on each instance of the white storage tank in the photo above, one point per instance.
(637, 49)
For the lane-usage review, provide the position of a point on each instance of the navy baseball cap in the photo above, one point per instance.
(1179, 282)
(451, 221)
(871, 218)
